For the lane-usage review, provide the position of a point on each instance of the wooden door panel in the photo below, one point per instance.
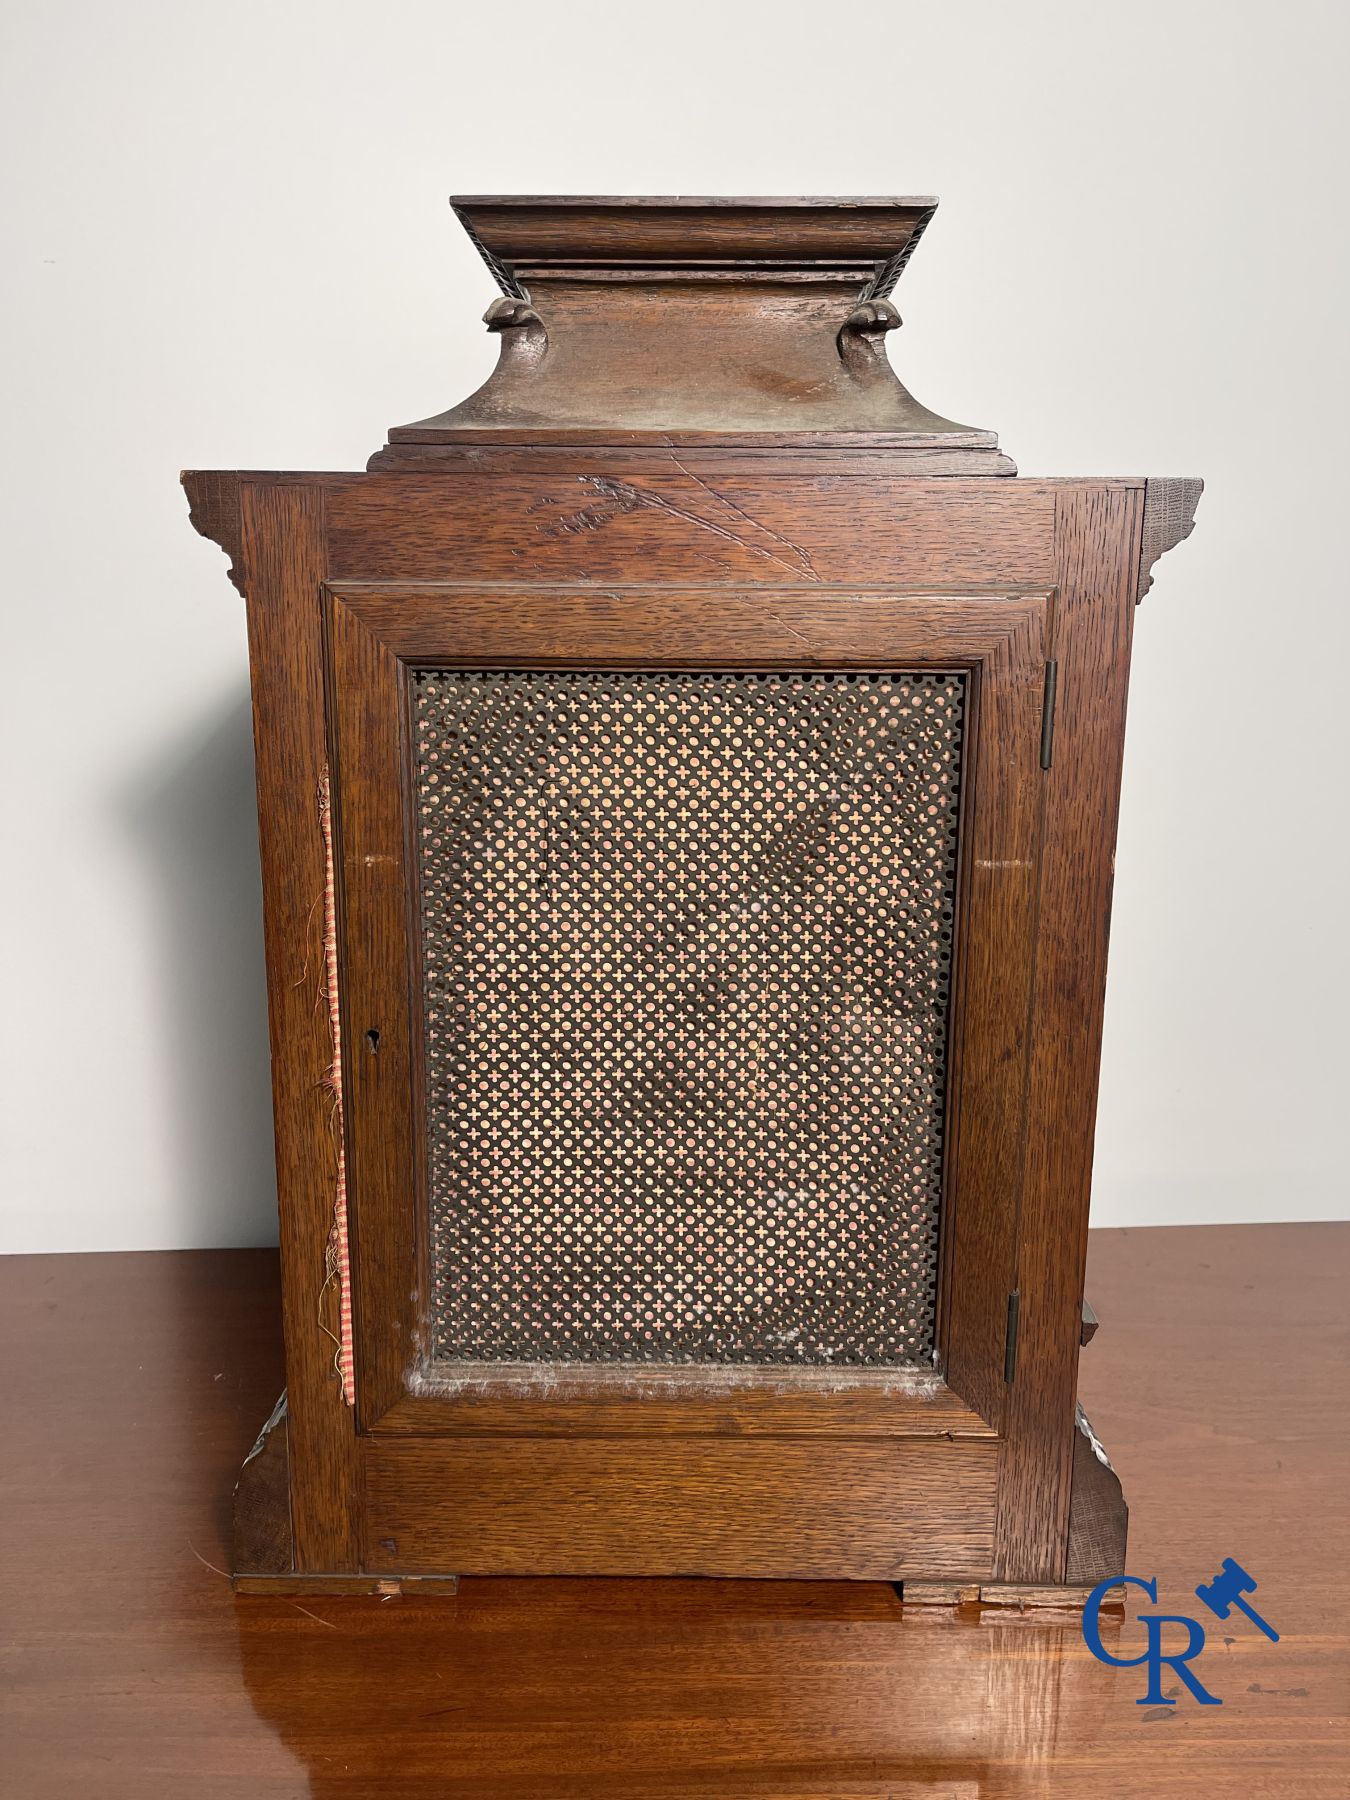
(377, 633)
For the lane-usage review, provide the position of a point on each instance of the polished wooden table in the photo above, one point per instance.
(131, 1387)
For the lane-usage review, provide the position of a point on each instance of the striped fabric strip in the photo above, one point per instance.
(338, 1258)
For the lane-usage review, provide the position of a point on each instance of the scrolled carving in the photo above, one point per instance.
(524, 337)
(508, 315)
(862, 336)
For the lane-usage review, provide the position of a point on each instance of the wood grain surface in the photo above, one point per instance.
(1094, 533)
(662, 320)
(775, 567)
(670, 524)
(283, 562)
(136, 1384)
(701, 1506)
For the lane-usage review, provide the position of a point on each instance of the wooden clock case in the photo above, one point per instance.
(693, 456)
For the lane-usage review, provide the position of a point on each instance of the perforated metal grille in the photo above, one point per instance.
(686, 947)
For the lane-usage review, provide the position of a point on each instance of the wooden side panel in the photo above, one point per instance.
(1097, 549)
(282, 530)
(706, 1506)
(995, 950)
(378, 984)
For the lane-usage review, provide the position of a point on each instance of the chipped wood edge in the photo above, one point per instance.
(388, 1587)
(1098, 1516)
(263, 1543)
(1072, 1597)
(1169, 516)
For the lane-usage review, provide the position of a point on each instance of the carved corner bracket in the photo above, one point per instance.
(213, 507)
(1169, 516)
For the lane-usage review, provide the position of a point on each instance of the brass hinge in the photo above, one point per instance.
(1048, 713)
(1010, 1341)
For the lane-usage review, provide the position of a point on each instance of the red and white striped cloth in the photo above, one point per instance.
(338, 1257)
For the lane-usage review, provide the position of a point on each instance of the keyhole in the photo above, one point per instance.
(373, 1041)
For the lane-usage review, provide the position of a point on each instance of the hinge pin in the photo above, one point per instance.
(1048, 713)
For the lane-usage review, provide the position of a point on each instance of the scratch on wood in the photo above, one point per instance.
(202, 1560)
(791, 629)
(620, 499)
(311, 1615)
(778, 619)
(591, 518)
(807, 566)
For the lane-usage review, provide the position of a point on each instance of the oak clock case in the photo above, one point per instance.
(687, 776)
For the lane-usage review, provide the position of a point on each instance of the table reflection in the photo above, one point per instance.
(663, 1687)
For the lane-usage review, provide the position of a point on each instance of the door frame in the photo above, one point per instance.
(376, 633)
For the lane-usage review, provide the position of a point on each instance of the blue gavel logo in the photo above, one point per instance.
(1220, 1595)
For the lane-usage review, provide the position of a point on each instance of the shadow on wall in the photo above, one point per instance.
(193, 812)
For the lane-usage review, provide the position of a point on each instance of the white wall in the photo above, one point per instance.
(228, 246)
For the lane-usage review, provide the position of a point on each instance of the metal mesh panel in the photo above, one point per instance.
(686, 946)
